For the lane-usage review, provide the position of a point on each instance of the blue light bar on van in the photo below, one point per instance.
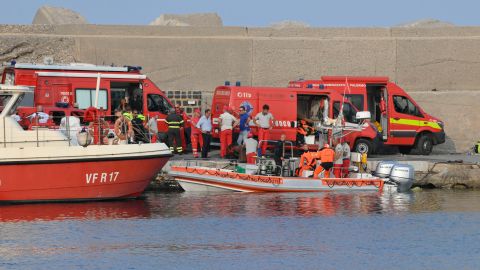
(133, 68)
(227, 83)
(237, 83)
(309, 86)
(321, 86)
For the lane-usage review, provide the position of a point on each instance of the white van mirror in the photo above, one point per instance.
(363, 115)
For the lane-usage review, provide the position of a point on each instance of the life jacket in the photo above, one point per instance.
(308, 159)
(327, 155)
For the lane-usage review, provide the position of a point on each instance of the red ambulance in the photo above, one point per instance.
(399, 119)
(59, 87)
(289, 106)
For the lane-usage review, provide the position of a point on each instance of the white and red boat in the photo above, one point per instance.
(202, 178)
(42, 165)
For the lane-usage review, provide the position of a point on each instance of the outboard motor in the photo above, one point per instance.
(384, 168)
(403, 175)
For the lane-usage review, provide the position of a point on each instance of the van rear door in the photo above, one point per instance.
(283, 106)
(221, 98)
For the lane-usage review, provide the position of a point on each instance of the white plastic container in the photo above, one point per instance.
(310, 139)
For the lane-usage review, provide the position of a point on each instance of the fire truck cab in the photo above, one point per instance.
(399, 120)
(288, 106)
(70, 89)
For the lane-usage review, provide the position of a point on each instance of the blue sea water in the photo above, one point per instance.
(430, 229)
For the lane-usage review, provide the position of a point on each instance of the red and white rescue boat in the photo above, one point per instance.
(202, 177)
(42, 165)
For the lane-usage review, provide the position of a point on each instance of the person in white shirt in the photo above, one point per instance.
(338, 162)
(346, 159)
(264, 121)
(251, 148)
(226, 122)
(152, 126)
(39, 117)
(70, 126)
(205, 125)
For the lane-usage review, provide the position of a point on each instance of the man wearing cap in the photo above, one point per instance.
(226, 122)
(264, 121)
(196, 133)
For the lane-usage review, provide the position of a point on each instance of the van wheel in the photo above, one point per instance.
(405, 149)
(363, 146)
(424, 145)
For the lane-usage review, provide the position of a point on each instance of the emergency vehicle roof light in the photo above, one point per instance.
(227, 83)
(238, 83)
(321, 86)
(133, 68)
(309, 86)
(13, 62)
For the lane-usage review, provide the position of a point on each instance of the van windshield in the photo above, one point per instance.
(356, 100)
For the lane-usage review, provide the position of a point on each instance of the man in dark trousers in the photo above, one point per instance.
(174, 122)
(205, 125)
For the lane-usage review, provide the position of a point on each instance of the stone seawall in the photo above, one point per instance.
(201, 58)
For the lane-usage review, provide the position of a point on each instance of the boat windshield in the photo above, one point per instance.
(5, 99)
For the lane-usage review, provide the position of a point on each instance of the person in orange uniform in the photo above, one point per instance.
(307, 162)
(303, 130)
(326, 155)
(196, 133)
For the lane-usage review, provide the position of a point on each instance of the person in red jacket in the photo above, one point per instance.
(196, 133)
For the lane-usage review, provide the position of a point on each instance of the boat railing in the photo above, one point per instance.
(71, 127)
(214, 164)
(259, 146)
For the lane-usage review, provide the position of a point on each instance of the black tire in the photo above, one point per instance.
(364, 146)
(424, 144)
(405, 149)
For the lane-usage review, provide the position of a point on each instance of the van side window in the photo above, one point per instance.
(404, 105)
(157, 103)
(349, 113)
(356, 100)
(86, 98)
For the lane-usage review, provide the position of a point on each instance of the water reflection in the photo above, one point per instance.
(80, 210)
(277, 204)
(166, 205)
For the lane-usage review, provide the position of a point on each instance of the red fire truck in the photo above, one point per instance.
(59, 87)
(288, 106)
(399, 119)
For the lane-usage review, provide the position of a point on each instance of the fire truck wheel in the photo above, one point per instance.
(364, 146)
(424, 144)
